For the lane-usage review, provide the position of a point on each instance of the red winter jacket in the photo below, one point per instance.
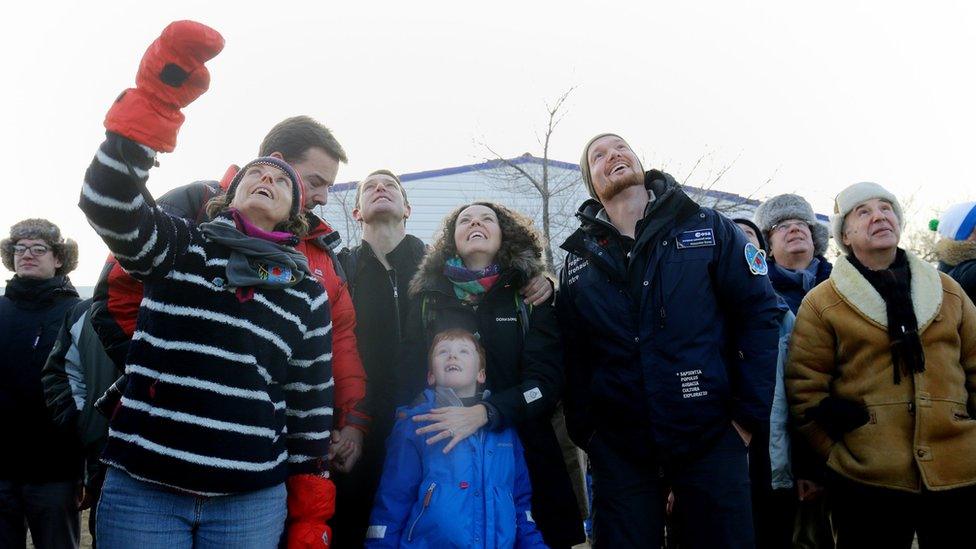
(117, 296)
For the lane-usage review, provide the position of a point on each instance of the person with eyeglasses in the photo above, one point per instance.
(41, 464)
(796, 242)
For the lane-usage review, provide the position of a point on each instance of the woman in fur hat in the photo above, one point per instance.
(40, 464)
(882, 381)
(471, 279)
(957, 247)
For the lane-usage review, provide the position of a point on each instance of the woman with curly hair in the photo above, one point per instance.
(471, 280)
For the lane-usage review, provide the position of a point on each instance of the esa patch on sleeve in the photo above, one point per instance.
(756, 259)
(532, 395)
(699, 238)
(376, 532)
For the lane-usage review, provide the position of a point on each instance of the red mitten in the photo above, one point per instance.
(171, 76)
(311, 502)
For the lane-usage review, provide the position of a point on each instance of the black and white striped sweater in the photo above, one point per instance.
(224, 396)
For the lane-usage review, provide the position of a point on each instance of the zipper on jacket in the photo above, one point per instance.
(427, 498)
(392, 275)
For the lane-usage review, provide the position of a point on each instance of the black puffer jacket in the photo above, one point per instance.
(31, 314)
(524, 375)
(957, 258)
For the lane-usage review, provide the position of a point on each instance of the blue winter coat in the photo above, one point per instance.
(665, 374)
(779, 435)
(478, 495)
(790, 289)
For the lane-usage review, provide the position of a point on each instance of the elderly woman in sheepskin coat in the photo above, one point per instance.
(471, 280)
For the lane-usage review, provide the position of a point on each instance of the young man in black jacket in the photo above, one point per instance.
(378, 273)
(670, 333)
(40, 465)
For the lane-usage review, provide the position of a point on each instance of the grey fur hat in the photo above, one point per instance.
(791, 206)
(41, 229)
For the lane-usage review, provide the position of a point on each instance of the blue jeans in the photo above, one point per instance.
(133, 513)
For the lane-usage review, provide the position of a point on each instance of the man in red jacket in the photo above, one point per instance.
(315, 154)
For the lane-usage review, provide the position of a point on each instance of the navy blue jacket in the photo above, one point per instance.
(667, 374)
(791, 291)
(478, 495)
(36, 449)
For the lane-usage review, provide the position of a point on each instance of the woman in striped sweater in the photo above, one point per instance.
(229, 394)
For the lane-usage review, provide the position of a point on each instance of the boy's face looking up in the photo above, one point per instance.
(455, 363)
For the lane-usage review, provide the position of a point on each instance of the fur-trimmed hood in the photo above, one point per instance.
(524, 262)
(862, 297)
(953, 252)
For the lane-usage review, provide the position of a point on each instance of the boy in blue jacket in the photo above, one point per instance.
(478, 495)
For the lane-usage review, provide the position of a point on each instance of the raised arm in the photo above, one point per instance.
(142, 121)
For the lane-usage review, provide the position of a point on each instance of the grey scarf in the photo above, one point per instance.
(255, 262)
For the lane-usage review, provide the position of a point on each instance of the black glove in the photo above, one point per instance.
(838, 416)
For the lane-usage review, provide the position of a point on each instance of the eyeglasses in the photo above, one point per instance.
(36, 250)
(787, 226)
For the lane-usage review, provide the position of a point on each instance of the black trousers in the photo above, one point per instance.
(712, 502)
(49, 509)
(868, 516)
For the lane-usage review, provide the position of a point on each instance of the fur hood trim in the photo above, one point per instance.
(953, 252)
(854, 289)
(524, 262)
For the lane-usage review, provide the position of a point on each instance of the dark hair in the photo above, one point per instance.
(518, 234)
(294, 136)
(454, 334)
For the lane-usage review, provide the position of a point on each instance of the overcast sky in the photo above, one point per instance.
(816, 95)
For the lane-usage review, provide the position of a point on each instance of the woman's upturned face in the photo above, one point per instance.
(264, 196)
(477, 235)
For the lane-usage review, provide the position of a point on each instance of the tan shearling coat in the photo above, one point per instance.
(921, 432)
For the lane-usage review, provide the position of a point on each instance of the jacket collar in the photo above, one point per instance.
(670, 204)
(954, 252)
(38, 293)
(857, 292)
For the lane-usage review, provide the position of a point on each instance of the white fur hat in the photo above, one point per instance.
(850, 198)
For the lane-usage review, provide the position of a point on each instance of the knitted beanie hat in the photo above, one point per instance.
(585, 163)
(297, 188)
(850, 198)
(958, 222)
(791, 206)
(41, 229)
(755, 229)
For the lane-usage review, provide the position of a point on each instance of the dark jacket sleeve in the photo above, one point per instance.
(577, 366)
(527, 535)
(540, 375)
(749, 305)
(411, 369)
(63, 380)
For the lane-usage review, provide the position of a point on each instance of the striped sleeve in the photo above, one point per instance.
(143, 239)
(309, 393)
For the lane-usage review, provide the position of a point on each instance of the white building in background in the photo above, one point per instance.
(434, 193)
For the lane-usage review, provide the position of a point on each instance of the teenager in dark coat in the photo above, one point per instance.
(41, 464)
